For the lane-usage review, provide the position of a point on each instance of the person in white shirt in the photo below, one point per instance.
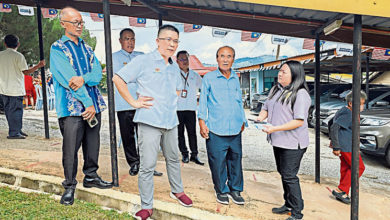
(186, 108)
(13, 67)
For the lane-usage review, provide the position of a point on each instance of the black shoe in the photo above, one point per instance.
(341, 196)
(222, 198)
(16, 137)
(293, 218)
(196, 160)
(185, 159)
(24, 134)
(156, 173)
(236, 197)
(134, 170)
(281, 210)
(68, 197)
(96, 182)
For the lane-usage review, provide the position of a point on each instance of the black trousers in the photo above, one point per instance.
(287, 164)
(76, 132)
(126, 127)
(187, 119)
(13, 109)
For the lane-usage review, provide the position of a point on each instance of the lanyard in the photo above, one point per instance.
(185, 79)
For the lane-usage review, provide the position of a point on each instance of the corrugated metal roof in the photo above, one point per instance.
(287, 21)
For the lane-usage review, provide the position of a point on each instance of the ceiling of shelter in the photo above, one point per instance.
(269, 19)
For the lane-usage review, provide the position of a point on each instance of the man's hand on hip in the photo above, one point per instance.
(76, 82)
(89, 113)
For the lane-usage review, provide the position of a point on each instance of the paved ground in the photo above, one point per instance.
(262, 184)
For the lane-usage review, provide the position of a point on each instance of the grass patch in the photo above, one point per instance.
(18, 205)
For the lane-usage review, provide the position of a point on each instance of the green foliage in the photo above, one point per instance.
(18, 205)
(26, 28)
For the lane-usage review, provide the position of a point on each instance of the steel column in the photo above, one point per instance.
(317, 108)
(356, 87)
(367, 77)
(110, 90)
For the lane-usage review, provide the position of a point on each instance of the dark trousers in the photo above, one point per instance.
(224, 156)
(126, 127)
(187, 119)
(13, 109)
(1, 103)
(287, 164)
(76, 132)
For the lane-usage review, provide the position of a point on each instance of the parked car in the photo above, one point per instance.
(374, 131)
(379, 98)
(258, 101)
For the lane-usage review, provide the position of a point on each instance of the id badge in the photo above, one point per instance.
(184, 93)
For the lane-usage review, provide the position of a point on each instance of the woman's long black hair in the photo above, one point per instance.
(297, 82)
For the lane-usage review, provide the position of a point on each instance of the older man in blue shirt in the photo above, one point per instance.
(158, 88)
(76, 74)
(221, 120)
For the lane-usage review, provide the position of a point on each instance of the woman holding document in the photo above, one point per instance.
(286, 111)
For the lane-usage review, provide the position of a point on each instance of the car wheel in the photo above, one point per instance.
(310, 117)
(388, 156)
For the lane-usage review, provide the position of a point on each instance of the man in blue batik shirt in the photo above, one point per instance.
(76, 74)
(221, 121)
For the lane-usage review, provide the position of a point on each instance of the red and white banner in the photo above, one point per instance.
(250, 36)
(97, 17)
(137, 22)
(49, 12)
(5, 8)
(380, 54)
(192, 27)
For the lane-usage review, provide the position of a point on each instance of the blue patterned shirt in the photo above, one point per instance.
(68, 59)
(220, 104)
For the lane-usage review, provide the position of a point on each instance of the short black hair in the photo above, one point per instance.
(11, 41)
(124, 30)
(167, 27)
(182, 52)
(234, 52)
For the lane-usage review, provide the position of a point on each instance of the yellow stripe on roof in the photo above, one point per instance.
(363, 7)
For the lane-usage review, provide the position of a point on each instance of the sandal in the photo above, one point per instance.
(342, 196)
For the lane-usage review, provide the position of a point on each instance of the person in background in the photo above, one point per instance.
(13, 67)
(341, 142)
(286, 109)
(186, 108)
(30, 90)
(79, 103)
(222, 121)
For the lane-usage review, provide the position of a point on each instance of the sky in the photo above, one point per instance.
(201, 43)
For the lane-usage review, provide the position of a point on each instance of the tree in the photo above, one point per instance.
(26, 28)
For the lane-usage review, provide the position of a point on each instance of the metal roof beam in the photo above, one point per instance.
(340, 16)
(153, 7)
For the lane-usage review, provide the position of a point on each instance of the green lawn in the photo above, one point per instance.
(18, 205)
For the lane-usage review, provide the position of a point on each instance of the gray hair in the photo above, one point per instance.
(348, 98)
(231, 48)
(64, 11)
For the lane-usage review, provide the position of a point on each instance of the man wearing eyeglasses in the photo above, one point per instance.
(186, 108)
(158, 87)
(76, 74)
(124, 110)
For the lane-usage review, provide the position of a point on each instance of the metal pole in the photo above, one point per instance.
(367, 76)
(160, 20)
(43, 77)
(277, 52)
(356, 82)
(111, 108)
(317, 108)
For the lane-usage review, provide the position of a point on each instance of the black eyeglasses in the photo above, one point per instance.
(169, 40)
(76, 23)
